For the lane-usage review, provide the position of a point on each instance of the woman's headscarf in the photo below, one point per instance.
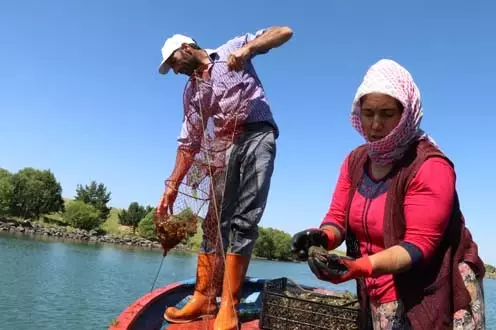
(390, 78)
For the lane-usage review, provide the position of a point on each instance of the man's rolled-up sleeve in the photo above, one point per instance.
(242, 40)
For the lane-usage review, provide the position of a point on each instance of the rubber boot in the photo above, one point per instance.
(232, 287)
(207, 288)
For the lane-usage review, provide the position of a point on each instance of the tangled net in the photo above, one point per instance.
(215, 110)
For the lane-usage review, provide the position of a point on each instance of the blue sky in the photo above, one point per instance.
(80, 93)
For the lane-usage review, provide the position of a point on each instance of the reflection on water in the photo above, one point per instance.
(58, 285)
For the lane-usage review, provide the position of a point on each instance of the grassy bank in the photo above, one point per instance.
(111, 226)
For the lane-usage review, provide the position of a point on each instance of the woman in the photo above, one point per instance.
(396, 206)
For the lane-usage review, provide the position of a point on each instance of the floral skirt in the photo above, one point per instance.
(392, 315)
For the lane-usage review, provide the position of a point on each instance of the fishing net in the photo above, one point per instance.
(216, 106)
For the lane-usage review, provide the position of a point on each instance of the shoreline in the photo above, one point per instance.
(38, 231)
(61, 233)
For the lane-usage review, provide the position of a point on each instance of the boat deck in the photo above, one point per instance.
(209, 325)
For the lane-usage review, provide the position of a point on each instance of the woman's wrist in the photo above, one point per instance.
(333, 236)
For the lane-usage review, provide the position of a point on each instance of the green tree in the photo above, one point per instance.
(6, 192)
(490, 269)
(282, 241)
(133, 215)
(265, 246)
(146, 226)
(194, 242)
(82, 215)
(35, 192)
(273, 244)
(96, 195)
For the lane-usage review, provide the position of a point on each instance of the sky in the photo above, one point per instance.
(80, 93)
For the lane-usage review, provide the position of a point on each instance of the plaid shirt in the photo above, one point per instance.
(208, 101)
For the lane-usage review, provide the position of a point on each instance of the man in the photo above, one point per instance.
(249, 166)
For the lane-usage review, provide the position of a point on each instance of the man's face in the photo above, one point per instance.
(183, 60)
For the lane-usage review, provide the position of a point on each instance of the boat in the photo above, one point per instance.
(146, 313)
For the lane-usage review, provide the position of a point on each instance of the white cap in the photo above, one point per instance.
(170, 46)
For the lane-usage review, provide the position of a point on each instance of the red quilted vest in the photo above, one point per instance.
(431, 295)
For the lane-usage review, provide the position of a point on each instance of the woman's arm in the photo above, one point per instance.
(334, 221)
(428, 205)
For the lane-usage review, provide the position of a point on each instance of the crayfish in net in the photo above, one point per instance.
(175, 229)
(192, 198)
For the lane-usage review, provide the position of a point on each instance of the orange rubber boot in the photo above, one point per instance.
(232, 287)
(207, 288)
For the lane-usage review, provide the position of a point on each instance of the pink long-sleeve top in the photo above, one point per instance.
(427, 209)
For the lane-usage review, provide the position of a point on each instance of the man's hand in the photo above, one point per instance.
(166, 205)
(271, 38)
(237, 58)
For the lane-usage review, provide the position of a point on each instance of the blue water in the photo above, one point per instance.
(59, 285)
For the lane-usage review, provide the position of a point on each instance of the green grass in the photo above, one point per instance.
(112, 226)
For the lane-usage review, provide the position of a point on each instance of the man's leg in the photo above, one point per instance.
(256, 165)
(209, 273)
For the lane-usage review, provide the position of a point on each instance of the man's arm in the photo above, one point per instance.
(184, 160)
(271, 38)
(261, 43)
(189, 144)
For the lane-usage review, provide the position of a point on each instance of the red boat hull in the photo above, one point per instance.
(146, 313)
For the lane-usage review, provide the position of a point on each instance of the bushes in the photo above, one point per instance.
(133, 215)
(81, 215)
(6, 192)
(35, 192)
(273, 244)
(95, 194)
(146, 226)
(29, 193)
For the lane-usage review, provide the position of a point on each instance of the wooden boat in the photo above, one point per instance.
(146, 313)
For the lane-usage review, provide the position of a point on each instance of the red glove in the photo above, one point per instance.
(360, 267)
(342, 269)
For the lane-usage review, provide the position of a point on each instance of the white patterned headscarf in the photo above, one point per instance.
(390, 78)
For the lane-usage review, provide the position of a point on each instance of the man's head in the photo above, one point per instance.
(182, 54)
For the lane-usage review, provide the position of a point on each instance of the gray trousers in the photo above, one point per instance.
(241, 194)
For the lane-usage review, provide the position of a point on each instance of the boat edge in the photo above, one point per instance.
(132, 311)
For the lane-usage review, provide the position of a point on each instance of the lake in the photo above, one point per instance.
(50, 284)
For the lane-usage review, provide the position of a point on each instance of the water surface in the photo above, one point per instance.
(57, 285)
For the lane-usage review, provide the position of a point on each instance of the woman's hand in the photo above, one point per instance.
(341, 269)
(303, 240)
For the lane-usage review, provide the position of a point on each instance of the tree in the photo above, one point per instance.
(273, 244)
(282, 241)
(265, 246)
(490, 269)
(95, 195)
(35, 192)
(6, 192)
(146, 226)
(82, 215)
(133, 215)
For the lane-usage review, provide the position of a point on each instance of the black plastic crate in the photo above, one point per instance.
(286, 305)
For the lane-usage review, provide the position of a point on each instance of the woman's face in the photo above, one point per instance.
(379, 115)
